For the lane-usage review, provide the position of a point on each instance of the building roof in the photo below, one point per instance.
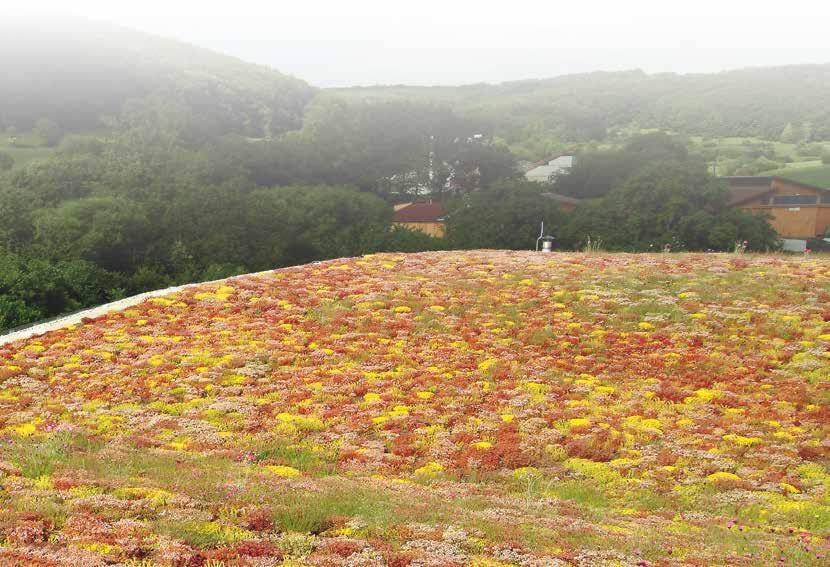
(562, 198)
(428, 211)
(743, 194)
(741, 180)
(543, 171)
(548, 168)
(554, 157)
(745, 188)
(792, 181)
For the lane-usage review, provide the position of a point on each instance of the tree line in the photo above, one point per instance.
(172, 165)
(151, 205)
(163, 199)
(539, 117)
(638, 198)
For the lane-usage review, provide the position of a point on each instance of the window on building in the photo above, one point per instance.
(795, 200)
(765, 200)
(825, 198)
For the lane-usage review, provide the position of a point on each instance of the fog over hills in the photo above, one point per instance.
(748, 102)
(75, 71)
(432, 42)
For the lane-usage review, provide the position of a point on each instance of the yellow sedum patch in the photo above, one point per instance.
(742, 441)
(429, 470)
(284, 471)
(721, 478)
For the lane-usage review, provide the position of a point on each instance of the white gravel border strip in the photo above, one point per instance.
(122, 304)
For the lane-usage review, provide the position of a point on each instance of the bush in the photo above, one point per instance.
(403, 239)
(818, 245)
(147, 278)
(810, 150)
(48, 131)
(673, 202)
(36, 288)
(78, 145)
(15, 313)
(6, 161)
(295, 225)
(505, 216)
(221, 271)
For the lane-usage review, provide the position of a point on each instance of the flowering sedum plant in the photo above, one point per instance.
(491, 408)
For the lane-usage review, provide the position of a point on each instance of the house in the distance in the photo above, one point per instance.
(799, 211)
(567, 204)
(545, 172)
(426, 216)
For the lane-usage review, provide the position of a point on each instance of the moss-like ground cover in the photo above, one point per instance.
(465, 408)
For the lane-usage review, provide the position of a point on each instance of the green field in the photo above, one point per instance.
(783, 149)
(756, 156)
(818, 176)
(27, 149)
(23, 156)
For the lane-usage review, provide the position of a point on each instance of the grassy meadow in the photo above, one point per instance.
(25, 149)
(818, 175)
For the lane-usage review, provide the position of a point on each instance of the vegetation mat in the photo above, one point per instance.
(465, 408)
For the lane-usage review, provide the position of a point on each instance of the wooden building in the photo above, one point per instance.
(546, 171)
(427, 216)
(567, 204)
(798, 210)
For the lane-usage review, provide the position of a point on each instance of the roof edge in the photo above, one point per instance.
(799, 183)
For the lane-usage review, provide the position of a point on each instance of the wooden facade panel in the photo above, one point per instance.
(436, 229)
(823, 221)
(799, 221)
(782, 187)
(794, 222)
(754, 204)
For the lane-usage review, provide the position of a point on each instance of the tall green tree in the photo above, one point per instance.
(110, 231)
(390, 148)
(673, 202)
(791, 134)
(6, 161)
(596, 173)
(506, 215)
(48, 131)
(291, 225)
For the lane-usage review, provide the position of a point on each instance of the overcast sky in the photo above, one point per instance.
(425, 42)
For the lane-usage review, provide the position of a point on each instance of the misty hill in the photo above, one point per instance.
(751, 102)
(177, 169)
(73, 73)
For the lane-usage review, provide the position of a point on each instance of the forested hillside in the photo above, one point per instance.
(535, 114)
(130, 162)
(75, 74)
